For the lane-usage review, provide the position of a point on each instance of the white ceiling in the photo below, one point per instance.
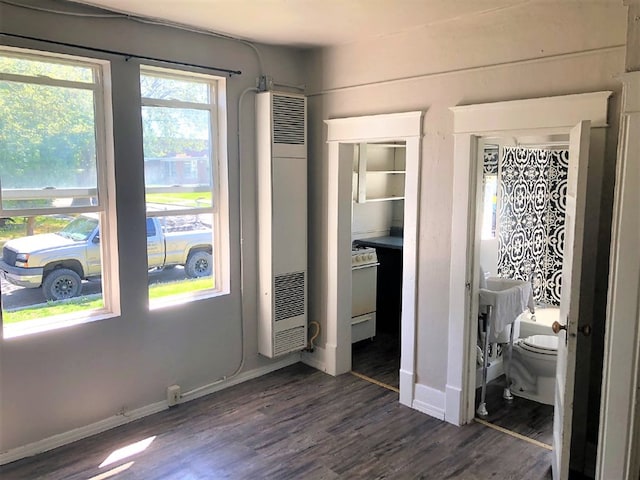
(306, 23)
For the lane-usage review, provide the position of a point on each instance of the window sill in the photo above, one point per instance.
(31, 327)
(179, 300)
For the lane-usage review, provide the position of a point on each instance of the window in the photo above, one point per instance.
(54, 181)
(183, 120)
(490, 171)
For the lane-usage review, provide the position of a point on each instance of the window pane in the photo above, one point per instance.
(177, 160)
(50, 269)
(47, 146)
(152, 86)
(179, 250)
(178, 170)
(51, 69)
(489, 207)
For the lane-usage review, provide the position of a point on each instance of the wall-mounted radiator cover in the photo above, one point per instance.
(282, 222)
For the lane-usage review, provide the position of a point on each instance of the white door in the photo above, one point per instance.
(569, 303)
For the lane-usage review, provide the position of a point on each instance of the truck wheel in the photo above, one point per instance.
(199, 264)
(61, 283)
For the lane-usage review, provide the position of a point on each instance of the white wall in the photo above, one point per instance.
(526, 51)
(371, 219)
(54, 382)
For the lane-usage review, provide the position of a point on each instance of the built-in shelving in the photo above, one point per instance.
(378, 172)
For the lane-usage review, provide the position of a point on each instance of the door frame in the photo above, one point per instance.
(619, 435)
(342, 134)
(542, 116)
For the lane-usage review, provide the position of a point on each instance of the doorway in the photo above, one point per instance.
(584, 116)
(521, 217)
(377, 222)
(343, 136)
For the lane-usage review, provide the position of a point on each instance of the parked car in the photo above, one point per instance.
(58, 262)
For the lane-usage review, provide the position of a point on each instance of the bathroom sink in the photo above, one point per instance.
(507, 299)
(503, 300)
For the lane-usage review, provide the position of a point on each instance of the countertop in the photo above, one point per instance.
(382, 242)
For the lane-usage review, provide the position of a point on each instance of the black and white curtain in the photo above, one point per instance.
(533, 185)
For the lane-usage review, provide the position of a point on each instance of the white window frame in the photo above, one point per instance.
(105, 193)
(219, 208)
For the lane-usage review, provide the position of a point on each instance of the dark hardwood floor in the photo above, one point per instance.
(296, 423)
(528, 418)
(378, 358)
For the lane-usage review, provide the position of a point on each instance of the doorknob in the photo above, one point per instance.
(556, 327)
(585, 330)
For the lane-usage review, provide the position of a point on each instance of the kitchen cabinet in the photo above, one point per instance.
(378, 172)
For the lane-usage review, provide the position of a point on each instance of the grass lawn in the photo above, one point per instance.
(186, 199)
(90, 302)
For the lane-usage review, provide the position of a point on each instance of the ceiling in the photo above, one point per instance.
(306, 23)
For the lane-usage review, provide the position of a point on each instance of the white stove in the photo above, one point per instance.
(363, 256)
(364, 268)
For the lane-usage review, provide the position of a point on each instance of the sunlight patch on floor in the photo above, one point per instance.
(129, 450)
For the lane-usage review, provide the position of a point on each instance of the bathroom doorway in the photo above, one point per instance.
(521, 212)
(584, 118)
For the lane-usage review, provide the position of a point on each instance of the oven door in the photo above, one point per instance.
(363, 289)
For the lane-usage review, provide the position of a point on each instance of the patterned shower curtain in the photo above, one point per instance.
(533, 185)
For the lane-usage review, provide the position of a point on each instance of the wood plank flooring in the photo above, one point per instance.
(378, 358)
(291, 424)
(528, 418)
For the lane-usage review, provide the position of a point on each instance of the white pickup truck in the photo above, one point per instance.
(58, 262)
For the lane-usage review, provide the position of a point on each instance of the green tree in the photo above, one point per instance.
(47, 135)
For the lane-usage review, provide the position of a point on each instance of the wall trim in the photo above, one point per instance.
(619, 435)
(407, 382)
(532, 113)
(316, 359)
(453, 405)
(430, 401)
(471, 122)
(342, 134)
(100, 426)
(481, 68)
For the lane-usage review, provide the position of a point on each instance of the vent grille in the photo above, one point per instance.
(288, 120)
(289, 295)
(289, 340)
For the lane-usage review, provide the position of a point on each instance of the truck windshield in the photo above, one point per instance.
(79, 229)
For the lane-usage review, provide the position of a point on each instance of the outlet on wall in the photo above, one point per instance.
(173, 395)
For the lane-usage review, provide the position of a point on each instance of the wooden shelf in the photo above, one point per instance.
(378, 172)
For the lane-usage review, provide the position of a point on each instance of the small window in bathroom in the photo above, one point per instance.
(489, 206)
(489, 191)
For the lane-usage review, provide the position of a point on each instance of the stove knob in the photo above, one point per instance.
(359, 258)
(370, 256)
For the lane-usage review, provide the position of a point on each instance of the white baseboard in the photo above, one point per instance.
(76, 434)
(330, 359)
(430, 401)
(244, 376)
(453, 406)
(406, 387)
(316, 359)
(65, 438)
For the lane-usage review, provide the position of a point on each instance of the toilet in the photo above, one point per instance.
(533, 363)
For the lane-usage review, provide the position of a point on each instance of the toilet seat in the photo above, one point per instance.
(540, 344)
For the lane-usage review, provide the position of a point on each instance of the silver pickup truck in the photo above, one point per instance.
(58, 262)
